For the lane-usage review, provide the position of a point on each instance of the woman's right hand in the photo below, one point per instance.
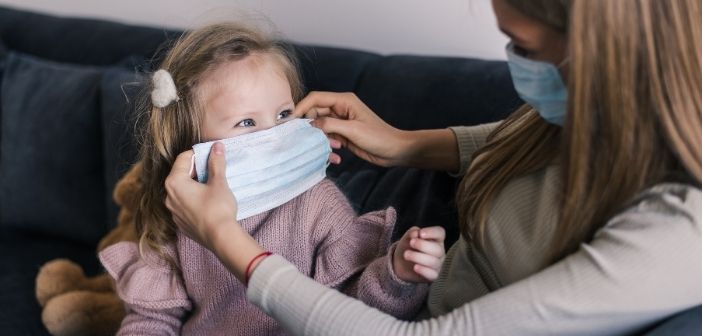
(349, 123)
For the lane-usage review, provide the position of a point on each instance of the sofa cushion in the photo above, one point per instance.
(50, 149)
(121, 91)
(418, 92)
(21, 256)
(332, 69)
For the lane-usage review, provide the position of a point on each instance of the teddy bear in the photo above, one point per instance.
(73, 304)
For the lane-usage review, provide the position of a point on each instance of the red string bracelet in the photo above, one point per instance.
(247, 275)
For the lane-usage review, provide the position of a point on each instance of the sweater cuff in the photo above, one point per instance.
(391, 283)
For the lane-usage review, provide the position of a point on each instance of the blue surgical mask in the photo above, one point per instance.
(268, 168)
(540, 85)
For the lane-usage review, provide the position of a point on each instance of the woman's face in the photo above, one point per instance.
(532, 39)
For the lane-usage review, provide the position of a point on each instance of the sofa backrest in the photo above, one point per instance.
(410, 92)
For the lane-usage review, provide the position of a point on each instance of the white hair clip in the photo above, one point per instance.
(164, 92)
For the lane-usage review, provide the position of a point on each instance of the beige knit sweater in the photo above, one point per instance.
(642, 266)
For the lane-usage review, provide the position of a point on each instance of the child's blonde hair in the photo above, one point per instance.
(175, 128)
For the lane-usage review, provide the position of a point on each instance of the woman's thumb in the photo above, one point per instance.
(216, 164)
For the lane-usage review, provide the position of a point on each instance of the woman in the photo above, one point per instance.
(580, 214)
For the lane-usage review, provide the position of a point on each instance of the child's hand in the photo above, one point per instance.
(419, 254)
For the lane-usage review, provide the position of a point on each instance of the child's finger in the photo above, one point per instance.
(412, 232)
(428, 246)
(433, 233)
(334, 158)
(422, 259)
(426, 272)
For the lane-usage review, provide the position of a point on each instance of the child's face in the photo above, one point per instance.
(245, 96)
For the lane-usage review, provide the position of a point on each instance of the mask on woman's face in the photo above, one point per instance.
(540, 85)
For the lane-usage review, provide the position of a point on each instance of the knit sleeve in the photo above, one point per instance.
(154, 294)
(642, 267)
(470, 139)
(355, 257)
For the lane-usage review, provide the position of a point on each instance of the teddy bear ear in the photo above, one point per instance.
(128, 188)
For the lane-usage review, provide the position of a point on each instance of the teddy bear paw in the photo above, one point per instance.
(57, 277)
(83, 313)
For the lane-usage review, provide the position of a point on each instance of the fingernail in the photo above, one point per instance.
(218, 148)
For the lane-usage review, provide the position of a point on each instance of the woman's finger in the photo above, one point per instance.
(313, 113)
(179, 172)
(182, 164)
(422, 259)
(428, 247)
(316, 99)
(322, 111)
(336, 103)
(341, 127)
(427, 273)
(216, 166)
(169, 203)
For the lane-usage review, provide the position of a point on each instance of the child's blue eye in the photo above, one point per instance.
(246, 123)
(284, 114)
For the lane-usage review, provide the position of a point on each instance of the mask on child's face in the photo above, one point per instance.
(268, 168)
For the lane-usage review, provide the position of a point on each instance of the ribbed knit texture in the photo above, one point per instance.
(318, 232)
(641, 267)
(470, 139)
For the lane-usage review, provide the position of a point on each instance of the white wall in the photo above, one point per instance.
(440, 27)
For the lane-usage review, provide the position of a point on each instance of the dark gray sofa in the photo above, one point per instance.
(68, 86)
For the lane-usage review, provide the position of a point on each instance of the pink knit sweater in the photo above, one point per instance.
(317, 231)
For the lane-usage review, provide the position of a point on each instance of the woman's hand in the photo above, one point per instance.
(207, 212)
(351, 124)
(200, 210)
(419, 254)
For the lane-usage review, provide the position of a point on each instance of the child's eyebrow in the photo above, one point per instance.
(287, 102)
(226, 116)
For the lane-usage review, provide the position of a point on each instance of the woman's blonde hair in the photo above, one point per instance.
(168, 131)
(634, 115)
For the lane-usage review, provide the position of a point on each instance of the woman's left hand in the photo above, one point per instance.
(207, 212)
(200, 210)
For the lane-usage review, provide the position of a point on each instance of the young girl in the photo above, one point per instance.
(221, 82)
